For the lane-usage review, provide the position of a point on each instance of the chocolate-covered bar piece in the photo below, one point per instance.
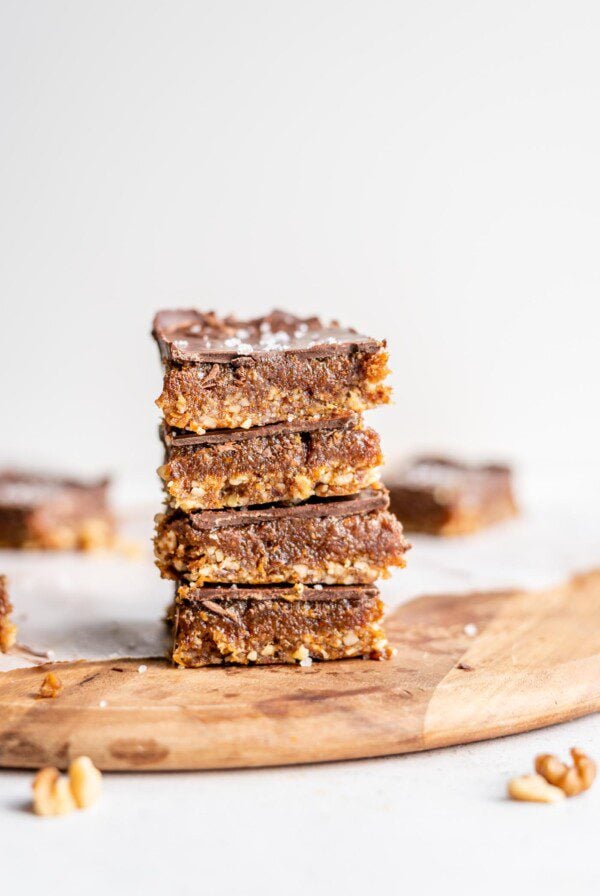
(277, 462)
(49, 512)
(342, 541)
(8, 630)
(224, 373)
(288, 624)
(444, 497)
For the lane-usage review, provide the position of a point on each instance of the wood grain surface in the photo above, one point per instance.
(534, 661)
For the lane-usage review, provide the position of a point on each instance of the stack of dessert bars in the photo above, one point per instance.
(276, 524)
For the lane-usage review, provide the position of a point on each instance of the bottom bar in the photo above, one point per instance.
(265, 625)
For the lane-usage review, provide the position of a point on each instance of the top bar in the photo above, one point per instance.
(224, 373)
(174, 438)
(193, 337)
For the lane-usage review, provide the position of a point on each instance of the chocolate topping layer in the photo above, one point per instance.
(180, 438)
(269, 592)
(192, 337)
(438, 472)
(364, 502)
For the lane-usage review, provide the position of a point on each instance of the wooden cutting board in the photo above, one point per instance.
(534, 661)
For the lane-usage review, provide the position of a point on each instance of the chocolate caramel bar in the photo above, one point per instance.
(351, 540)
(224, 373)
(276, 462)
(54, 513)
(288, 624)
(444, 497)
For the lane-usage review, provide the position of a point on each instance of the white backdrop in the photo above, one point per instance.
(427, 171)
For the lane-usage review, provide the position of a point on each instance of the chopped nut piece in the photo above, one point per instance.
(574, 779)
(85, 781)
(534, 789)
(51, 686)
(54, 794)
(51, 793)
(550, 767)
(581, 776)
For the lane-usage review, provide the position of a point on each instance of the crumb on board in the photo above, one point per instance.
(51, 685)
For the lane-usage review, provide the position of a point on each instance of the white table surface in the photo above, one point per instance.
(423, 823)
